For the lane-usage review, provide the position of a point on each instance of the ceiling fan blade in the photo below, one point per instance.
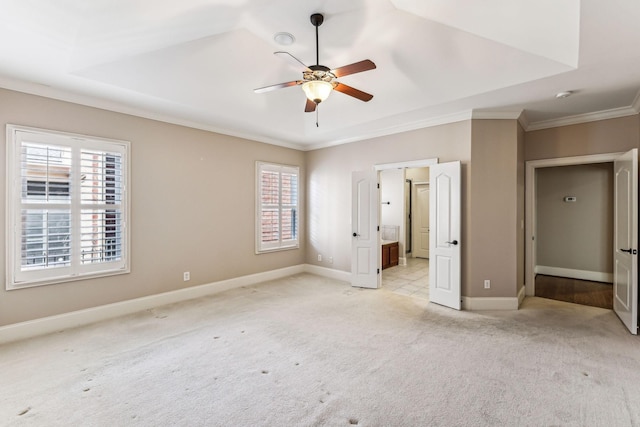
(290, 58)
(356, 67)
(278, 86)
(310, 107)
(348, 90)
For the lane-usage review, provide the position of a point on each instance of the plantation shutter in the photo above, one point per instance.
(277, 207)
(45, 214)
(67, 207)
(101, 200)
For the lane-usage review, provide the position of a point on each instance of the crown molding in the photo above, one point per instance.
(45, 91)
(584, 118)
(496, 115)
(524, 120)
(519, 115)
(117, 107)
(391, 130)
(636, 103)
(431, 122)
(614, 113)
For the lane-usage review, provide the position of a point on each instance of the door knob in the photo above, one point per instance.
(355, 235)
(453, 242)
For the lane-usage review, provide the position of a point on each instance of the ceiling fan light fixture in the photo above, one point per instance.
(317, 90)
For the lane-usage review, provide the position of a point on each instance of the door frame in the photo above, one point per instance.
(422, 163)
(530, 203)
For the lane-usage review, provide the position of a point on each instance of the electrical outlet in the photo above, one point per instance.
(330, 260)
(319, 257)
(487, 284)
(186, 276)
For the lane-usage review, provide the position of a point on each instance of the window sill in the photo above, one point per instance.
(59, 280)
(279, 249)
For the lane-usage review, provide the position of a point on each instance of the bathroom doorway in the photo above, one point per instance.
(406, 188)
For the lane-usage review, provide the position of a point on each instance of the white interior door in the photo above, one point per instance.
(625, 250)
(444, 263)
(365, 253)
(420, 239)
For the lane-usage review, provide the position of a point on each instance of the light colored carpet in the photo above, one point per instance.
(310, 351)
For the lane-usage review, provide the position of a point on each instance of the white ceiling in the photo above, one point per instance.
(196, 62)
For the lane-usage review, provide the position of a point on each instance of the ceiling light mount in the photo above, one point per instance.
(565, 94)
(284, 39)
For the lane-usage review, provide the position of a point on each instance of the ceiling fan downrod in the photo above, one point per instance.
(317, 19)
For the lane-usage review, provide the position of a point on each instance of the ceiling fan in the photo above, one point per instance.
(319, 81)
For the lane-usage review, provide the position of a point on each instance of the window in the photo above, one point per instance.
(277, 209)
(67, 206)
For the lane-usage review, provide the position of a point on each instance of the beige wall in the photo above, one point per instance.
(496, 215)
(329, 184)
(605, 136)
(576, 235)
(192, 207)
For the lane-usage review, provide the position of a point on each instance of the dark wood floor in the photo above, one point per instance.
(595, 294)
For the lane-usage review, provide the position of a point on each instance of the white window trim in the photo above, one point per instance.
(280, 246)
(13, 206)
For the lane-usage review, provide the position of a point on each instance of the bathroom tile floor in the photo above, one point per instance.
(409, 280)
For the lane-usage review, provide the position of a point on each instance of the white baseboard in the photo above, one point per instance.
(32, 328)
(402, 261)
(521, 295)
(593, 276)
(344, 276)
(489, 303)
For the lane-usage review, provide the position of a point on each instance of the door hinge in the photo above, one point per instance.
(378, 185)
(378, 271)
(378, 228)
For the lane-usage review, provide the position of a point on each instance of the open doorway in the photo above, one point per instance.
(404, 228)
(444, 274)
(624, 231)
(574, 222)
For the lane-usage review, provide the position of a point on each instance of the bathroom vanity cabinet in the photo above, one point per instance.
(389, 255)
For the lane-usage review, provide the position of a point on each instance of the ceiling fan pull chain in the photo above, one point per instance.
(317, 116)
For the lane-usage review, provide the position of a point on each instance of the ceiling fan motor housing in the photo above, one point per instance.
(319, 72)
(317, 19)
